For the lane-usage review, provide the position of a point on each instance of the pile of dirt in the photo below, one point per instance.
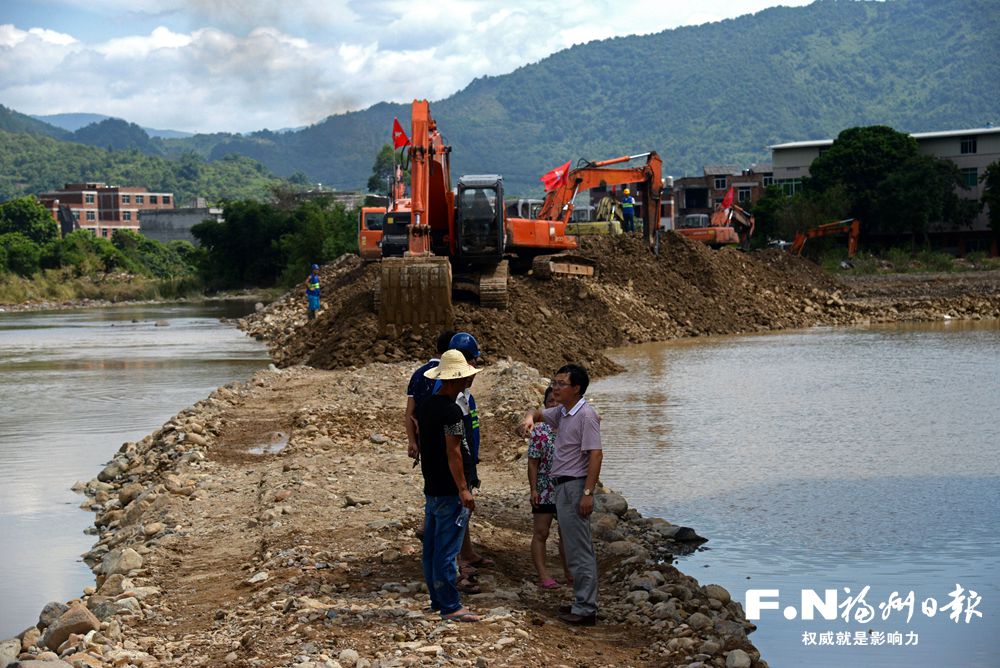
(634, 297)
(688, 290)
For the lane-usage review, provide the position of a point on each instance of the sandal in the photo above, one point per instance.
(462, 615)
(481, 562)
(467, 586)
(548, 583)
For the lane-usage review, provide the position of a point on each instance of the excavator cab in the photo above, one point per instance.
(479, 219)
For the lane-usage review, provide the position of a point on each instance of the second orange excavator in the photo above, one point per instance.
(851, 227)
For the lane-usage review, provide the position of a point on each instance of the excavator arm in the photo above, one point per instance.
(559, 203)
(851, 227)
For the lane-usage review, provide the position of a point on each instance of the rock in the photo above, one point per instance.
(153, 528)
(29, 638)
(348, 657)
(379, 439)
(665, 610)
(52, 611)
(114, 469)
(643, 582)
(611, 503)
(115, 585)
(717, 592)
(9, 649)
(355, 501)
(58, 663)
(624, 548)
(429, 649)
(699, 621)
(128, 493)
(75, 620)
(637, 597)
(120, 561)
(197, 439)
(109, 608)
(258, 577)
(737, 659)
(389, 556)
(603, 524)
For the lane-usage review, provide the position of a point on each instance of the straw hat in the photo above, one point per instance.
(452, 367)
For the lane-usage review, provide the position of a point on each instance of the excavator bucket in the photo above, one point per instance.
(414, 291)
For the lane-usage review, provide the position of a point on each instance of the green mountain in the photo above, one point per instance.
(715, 93)
(33, 163)
(13, 121)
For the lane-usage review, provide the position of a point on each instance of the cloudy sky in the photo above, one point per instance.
(243, 65)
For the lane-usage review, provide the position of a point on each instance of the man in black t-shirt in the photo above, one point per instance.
(418, 390)
(446, 492)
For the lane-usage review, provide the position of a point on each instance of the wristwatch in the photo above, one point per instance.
(586, 492)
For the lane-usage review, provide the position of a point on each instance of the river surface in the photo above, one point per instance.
(75, 385)
(827, 459)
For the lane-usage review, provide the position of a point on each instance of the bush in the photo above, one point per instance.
(23, 255)
(936, 261)
(899, 259)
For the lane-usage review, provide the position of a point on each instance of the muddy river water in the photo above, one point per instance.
(74, 385)
(822, 460)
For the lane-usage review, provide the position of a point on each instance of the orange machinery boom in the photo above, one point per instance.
(559, 203)
(850, 226)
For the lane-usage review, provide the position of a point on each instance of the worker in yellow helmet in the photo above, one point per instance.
(628, 211)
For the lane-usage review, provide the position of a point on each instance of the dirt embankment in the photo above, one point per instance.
(689, 290)
(275, 524)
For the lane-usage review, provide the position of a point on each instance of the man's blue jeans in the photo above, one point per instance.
(442, 542)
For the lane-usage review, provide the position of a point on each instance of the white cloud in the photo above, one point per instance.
(235, 65)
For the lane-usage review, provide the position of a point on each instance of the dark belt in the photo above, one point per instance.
(567, 478)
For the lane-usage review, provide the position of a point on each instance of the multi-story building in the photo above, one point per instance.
(102, 209)
(971, 150)
(699, 195)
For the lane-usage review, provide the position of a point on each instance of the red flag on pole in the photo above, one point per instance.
(727, 201)
(556, 177)
(399, 138)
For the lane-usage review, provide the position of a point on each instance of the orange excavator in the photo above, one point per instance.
(439, 238)
(559, 203)
(851, 227)
(728, 225)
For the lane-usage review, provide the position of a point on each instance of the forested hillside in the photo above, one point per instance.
(716, 93)
(31, 164)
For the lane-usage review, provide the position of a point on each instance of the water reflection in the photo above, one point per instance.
(829, 457)
(74, 385)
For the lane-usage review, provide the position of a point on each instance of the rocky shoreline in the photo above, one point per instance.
(73, 304)
(275, 522)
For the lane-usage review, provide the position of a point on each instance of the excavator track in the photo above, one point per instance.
(493, 287)
(562, 264)
(414, 291)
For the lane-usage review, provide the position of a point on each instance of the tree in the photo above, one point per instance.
(991, 195)
(382, 170)
(888, 184)
(27, 216)
(22, 253)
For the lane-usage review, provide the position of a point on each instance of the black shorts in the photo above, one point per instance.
(544, 509)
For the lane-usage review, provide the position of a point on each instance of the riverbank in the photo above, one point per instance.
(274, 524)
(97, 303)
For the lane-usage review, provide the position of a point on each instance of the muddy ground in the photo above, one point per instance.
(688, 290)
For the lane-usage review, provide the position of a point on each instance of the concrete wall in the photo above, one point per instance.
(175, 224)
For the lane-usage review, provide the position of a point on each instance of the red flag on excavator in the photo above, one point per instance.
(727, 201)
(556, 177)
(399, 138)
